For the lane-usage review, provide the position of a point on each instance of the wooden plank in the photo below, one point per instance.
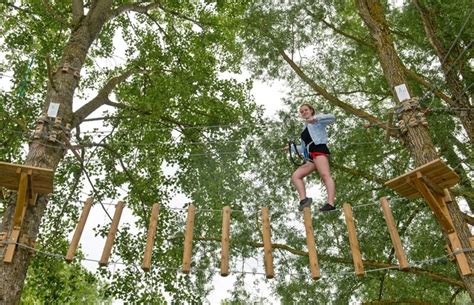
(447, 196)
(188, 239)
(443, 218)
(433, 186)
(267, 244)
(437, 174)
(42, 178)
(446, 181)
(20, 199)
(392, 229)
(11, 246)
(79, 229)
(12, 167)
(354, 243)
(111, 236)
(435, 164)
(225, 241)
(32, 201)
(449, 183)
(461, 258)
(150, 239)
(415, 194)
(444, 209)
(312, 254)
(471, 242)
(437, 178)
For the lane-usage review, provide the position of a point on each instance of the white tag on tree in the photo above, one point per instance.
(402, 92)
(53, 110)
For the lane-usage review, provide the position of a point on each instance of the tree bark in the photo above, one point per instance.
(460, 98)
(47, 152)
(416, 139)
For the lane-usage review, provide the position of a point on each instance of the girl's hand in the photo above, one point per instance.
(286, 147)
(311, 120)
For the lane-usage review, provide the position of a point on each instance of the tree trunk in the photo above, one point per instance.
(460, 98)
(47, 152)
(416, 138)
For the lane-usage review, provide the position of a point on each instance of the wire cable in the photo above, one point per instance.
(415, 264)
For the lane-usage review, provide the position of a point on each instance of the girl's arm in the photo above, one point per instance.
(325, 119)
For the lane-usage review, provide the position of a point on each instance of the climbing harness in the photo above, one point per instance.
(295, 157)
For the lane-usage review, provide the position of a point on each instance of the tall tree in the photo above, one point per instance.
(417, 139)
(174, 54)
(165, 98)
(347, 67)
(453, 53)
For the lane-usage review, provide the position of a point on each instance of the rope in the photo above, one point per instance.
(21, 88)
(375, 203)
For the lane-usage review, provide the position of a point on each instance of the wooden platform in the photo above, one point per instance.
(436, 175)
(41, 178)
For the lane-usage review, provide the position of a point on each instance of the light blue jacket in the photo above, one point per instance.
(317, 131)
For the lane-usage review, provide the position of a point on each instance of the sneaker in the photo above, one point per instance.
(305, 203)
(327, 207)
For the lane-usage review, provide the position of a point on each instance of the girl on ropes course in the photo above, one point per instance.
(316, 154)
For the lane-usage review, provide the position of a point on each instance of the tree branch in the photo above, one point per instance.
(184, 17)
(127, 172)
(357, 173)
(18, 8)
(55, 14)
(339, 31)
(133, 8)
(419, 79)
(144, 9)
(334, 100)
(413, 75)
(77, 11)
(102, 98)
(398, 301)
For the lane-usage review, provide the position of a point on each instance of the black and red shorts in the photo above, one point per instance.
(318, 150)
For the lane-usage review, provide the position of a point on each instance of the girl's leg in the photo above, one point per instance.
(322, 164)
(297, 178)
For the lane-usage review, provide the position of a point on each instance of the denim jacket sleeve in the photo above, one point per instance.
(317, 130)
(325, 119)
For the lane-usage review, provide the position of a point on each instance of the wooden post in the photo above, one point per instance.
(188, 239)
(447, 196)
(392, 229)
(471, 242)
(354, 243)
(267, 244)
(20, 199)
(79, 229)
(225, 243)
(27, 181)
(313, 256)
(150, 239)
(111, 236)
(20, 209)
(441, 213)
(460, 256)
